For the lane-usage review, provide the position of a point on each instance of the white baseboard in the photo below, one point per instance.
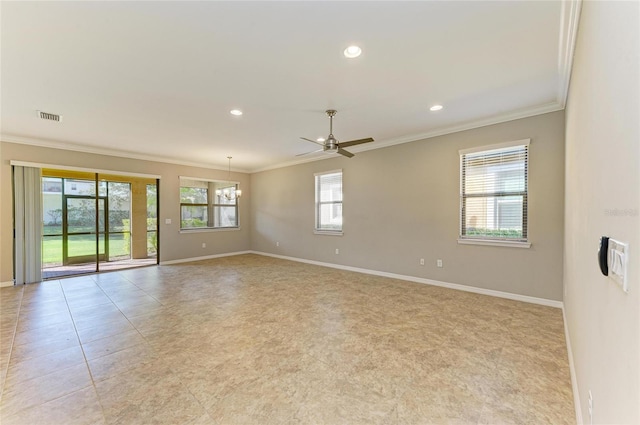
(6, 284)
(572, 371)
(482, 291)
(206, 257)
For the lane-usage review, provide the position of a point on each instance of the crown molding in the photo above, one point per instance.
(43, 143)
(496, 119)
(569, 19)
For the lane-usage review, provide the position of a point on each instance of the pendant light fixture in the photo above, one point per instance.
(230, 193)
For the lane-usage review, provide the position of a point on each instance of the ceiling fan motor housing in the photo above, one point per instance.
(331, 144)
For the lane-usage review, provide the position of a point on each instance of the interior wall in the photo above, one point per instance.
(173, 244)
(603, 199)
(401, 204)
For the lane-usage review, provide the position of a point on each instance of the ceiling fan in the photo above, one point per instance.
(331, 144)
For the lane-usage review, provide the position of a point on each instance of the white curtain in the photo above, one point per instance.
(28, 224)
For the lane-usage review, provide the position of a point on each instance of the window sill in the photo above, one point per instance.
(328, 232)
(209, 229)
(487, 242)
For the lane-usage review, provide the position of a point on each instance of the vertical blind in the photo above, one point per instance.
(329, 201)
(493, 194)
(28, 224)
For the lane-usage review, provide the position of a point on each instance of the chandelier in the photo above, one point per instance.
(230, 193)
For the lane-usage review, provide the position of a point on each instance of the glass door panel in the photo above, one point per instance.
(152, 220)
(118, 221)
(119, 246)
(79, 230)
(52, 223)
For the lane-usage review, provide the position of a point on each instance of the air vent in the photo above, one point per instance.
(50, 117)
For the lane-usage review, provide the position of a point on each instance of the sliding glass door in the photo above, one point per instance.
(88, 223)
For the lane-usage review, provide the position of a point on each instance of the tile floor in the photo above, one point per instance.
(257, 340)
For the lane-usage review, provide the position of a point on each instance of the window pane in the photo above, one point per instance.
(81, 215)
(52, 185)
(51, 251)
(494, 193)
(330, 187)
(193, 216)
(152, 243)
(494, 217)
(218, 204)
(225, 217)
(119, 246)
(329, 201)
(152, 207)
(330, 217)
(193, 195)
(84, 246)
(79, 187)
(52, 205)
(224, 193)
(119, 207)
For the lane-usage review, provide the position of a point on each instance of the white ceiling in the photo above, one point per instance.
(157, 79)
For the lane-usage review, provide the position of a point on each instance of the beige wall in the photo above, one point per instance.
(173, 244)
(401, 204)
(602, 186)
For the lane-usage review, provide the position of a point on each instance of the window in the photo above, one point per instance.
(207, 204)
(493, 192)
(329, 201)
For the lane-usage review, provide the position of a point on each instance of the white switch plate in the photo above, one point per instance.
(617, 259)
(167, 221)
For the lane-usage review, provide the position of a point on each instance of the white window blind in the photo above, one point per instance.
(493, 194)
(329, 201)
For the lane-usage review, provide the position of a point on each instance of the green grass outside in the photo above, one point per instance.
(81, 245)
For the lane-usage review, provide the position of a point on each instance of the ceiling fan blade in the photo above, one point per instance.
(345, 153)
(312, 141)
(307, 153)
(355, 142)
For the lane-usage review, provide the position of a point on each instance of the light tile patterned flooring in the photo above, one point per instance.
(257, 340)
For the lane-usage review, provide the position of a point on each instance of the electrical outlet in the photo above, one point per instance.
(422, 261)
(167, 221)
(590, 407)
(439, 263)
(204, 245)
(277, 243)
(337, 251)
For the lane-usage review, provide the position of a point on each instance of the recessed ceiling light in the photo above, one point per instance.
(435, 108)
(352, 52)
(320, 139)
(236, 112)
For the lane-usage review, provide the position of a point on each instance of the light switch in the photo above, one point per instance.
(618, 259)
(167, 221)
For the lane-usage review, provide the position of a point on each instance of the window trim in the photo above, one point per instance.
(316, 229)
(210, 205)
(483, 240)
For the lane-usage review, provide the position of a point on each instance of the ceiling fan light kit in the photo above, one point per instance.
(331, 145)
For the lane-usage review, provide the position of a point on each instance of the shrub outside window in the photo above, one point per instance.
(494, 192)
